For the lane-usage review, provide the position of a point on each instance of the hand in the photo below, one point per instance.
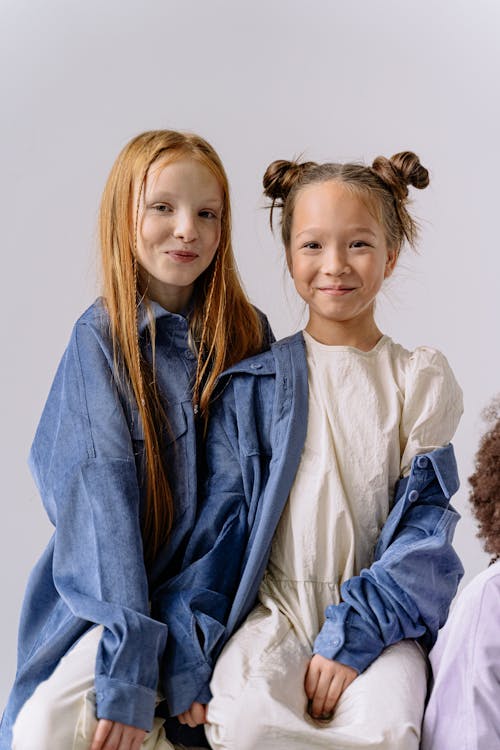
(111, 735)
(196, 714)
(325, 682)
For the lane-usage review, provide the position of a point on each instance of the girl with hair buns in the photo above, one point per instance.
(114, 455)
(326, 522)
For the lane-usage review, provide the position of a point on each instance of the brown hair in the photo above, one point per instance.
(485, 482)
(224, 327)
(384, 186)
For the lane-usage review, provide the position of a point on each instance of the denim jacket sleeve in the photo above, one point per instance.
(83, 462)
(407, 591)
(196, 604)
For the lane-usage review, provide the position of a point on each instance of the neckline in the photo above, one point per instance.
(313, 343)
(160, 313)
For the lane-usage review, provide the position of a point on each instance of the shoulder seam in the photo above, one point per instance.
(89, 441)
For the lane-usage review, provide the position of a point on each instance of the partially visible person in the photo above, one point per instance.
(115, 453)
(464, 706)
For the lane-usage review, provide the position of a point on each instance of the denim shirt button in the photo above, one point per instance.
(336, 642)
(255, 366)
(422, 462)
(413, 496)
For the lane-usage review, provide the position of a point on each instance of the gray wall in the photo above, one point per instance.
(261, 80)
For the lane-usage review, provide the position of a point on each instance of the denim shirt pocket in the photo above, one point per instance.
(177, 456)
(175, 427)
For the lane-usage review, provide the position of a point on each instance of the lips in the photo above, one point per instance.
(336, 291)
(182, 256)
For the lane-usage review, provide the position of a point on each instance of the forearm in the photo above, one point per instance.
(407, 592)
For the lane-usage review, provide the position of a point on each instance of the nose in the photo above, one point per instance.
(335, 262)
(185, 226)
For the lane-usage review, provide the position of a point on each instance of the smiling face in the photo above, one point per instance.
(179, 229)
(338, 258)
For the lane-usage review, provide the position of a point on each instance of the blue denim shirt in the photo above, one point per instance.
(257, 432)
(87, 460)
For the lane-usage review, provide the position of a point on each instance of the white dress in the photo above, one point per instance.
(369, 414)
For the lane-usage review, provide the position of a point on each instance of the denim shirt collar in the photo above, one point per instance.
(265, 362)
(170, 320)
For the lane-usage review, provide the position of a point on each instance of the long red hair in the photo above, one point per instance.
(224, 327)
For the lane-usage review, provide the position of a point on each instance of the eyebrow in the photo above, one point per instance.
(164, 195)
(312, 230)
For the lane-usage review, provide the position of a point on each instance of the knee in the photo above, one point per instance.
(40, 725)
(402, 737)
(241, 724)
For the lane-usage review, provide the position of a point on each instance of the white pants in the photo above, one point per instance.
(61, 715)
(259, 702)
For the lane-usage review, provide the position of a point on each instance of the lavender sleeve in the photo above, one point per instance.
(463, 709)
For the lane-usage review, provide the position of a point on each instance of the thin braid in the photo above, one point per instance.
(137, 347)
(203, 362)
(137, 352)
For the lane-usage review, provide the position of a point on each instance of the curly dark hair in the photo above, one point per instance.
(485, 482)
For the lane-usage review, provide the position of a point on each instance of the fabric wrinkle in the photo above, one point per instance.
(340, 499)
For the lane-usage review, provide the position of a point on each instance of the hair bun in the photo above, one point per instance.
(412, 172)
(281, 176)
(401, 170)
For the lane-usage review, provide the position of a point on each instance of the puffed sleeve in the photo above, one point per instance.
(83, 461)
(432, 407)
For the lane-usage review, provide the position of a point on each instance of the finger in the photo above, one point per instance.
(348, 675)
(138, 743)
(198, 713)
(319, 697)
(185, 717)
(102, 730)
(191, 721)
(337, 687)
(137, 738)
(311, 679)
(113, 740)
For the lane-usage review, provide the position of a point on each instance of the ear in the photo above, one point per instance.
(392, 256)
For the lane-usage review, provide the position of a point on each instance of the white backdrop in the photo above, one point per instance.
(261, 80)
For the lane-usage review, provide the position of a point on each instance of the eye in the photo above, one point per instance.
(161, 208)
(312, 245)
(207, 214)
(359, 245)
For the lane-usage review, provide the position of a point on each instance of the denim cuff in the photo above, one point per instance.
(180, 690)
(205, 695)
(348, 639)
(126, 703)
